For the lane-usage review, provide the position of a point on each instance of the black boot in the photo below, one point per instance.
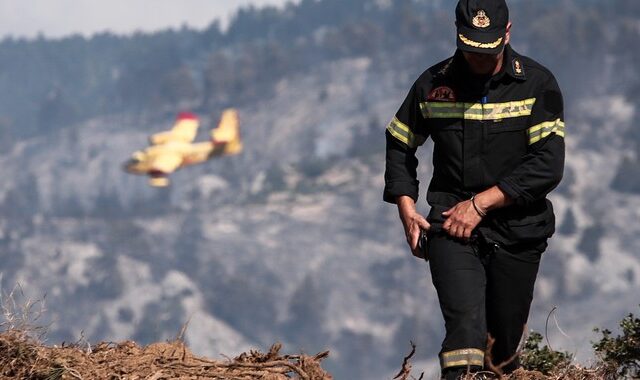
(455, 373)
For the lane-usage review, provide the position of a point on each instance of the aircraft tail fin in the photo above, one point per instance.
(228, 132)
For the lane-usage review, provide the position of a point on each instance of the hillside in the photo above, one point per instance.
(291, 241)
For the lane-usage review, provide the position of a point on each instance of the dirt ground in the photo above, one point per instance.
(21, 357)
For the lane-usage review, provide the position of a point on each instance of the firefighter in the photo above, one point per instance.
(497, 125)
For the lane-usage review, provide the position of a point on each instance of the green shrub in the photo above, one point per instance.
(542, 359)
(622, 353)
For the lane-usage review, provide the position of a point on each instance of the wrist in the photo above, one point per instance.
(479, 209)
(492, 199)
(482, 202)
(406, 205)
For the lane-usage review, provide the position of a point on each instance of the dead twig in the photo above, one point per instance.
(183, 330)
(546, 327)
(405, 371)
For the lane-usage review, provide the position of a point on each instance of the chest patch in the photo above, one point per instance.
(442, 94)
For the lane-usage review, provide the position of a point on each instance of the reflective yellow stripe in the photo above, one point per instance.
(401, 131)
(477, 111)
(509, 109)
(542, 130)
(463, 357)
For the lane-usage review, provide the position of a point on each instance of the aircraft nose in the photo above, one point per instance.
(130, 165)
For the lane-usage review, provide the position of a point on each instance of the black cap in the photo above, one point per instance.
(482, 25)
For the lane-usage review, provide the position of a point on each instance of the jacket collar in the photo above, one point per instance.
(512, 65)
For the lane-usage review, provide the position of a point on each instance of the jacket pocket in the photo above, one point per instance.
(509, 125)
(533, 224)
(504, 149)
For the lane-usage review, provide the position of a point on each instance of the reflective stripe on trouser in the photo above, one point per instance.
(464, 357)
(482, 289)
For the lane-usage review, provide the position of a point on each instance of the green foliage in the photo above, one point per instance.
(621, 353)
(542, 359)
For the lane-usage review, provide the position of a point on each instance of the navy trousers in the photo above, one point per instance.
(484, 289)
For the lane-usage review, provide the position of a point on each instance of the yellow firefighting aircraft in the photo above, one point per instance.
(173, 149)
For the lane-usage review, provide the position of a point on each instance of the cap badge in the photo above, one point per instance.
(442, 94)
(481, 20)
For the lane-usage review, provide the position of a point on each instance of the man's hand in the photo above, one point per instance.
(412, 222)
(461, 220)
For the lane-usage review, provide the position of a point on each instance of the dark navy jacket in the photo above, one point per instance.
(505, 130)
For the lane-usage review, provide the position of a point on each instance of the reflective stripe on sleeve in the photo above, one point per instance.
(401, 131)
(542, 130)
(477, 111)
(463, 357)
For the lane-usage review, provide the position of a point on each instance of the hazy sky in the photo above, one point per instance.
(56, 18)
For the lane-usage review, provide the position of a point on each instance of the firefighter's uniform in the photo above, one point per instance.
(507, 130)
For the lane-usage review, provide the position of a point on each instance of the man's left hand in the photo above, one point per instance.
(461, 219)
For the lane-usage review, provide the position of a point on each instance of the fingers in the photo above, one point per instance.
(458, 221)
(450, 223)
(413, 234)
(447, 225)
(415, 247)
(413, 226)
(413, 242)
(417, 253)
(457, 228)
(422, 222)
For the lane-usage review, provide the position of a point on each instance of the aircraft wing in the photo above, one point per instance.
(166, 162)
(184, 130)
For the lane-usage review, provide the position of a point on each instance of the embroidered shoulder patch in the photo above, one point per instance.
(442, 94)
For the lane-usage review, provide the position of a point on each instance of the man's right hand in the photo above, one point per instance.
(412, 222)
